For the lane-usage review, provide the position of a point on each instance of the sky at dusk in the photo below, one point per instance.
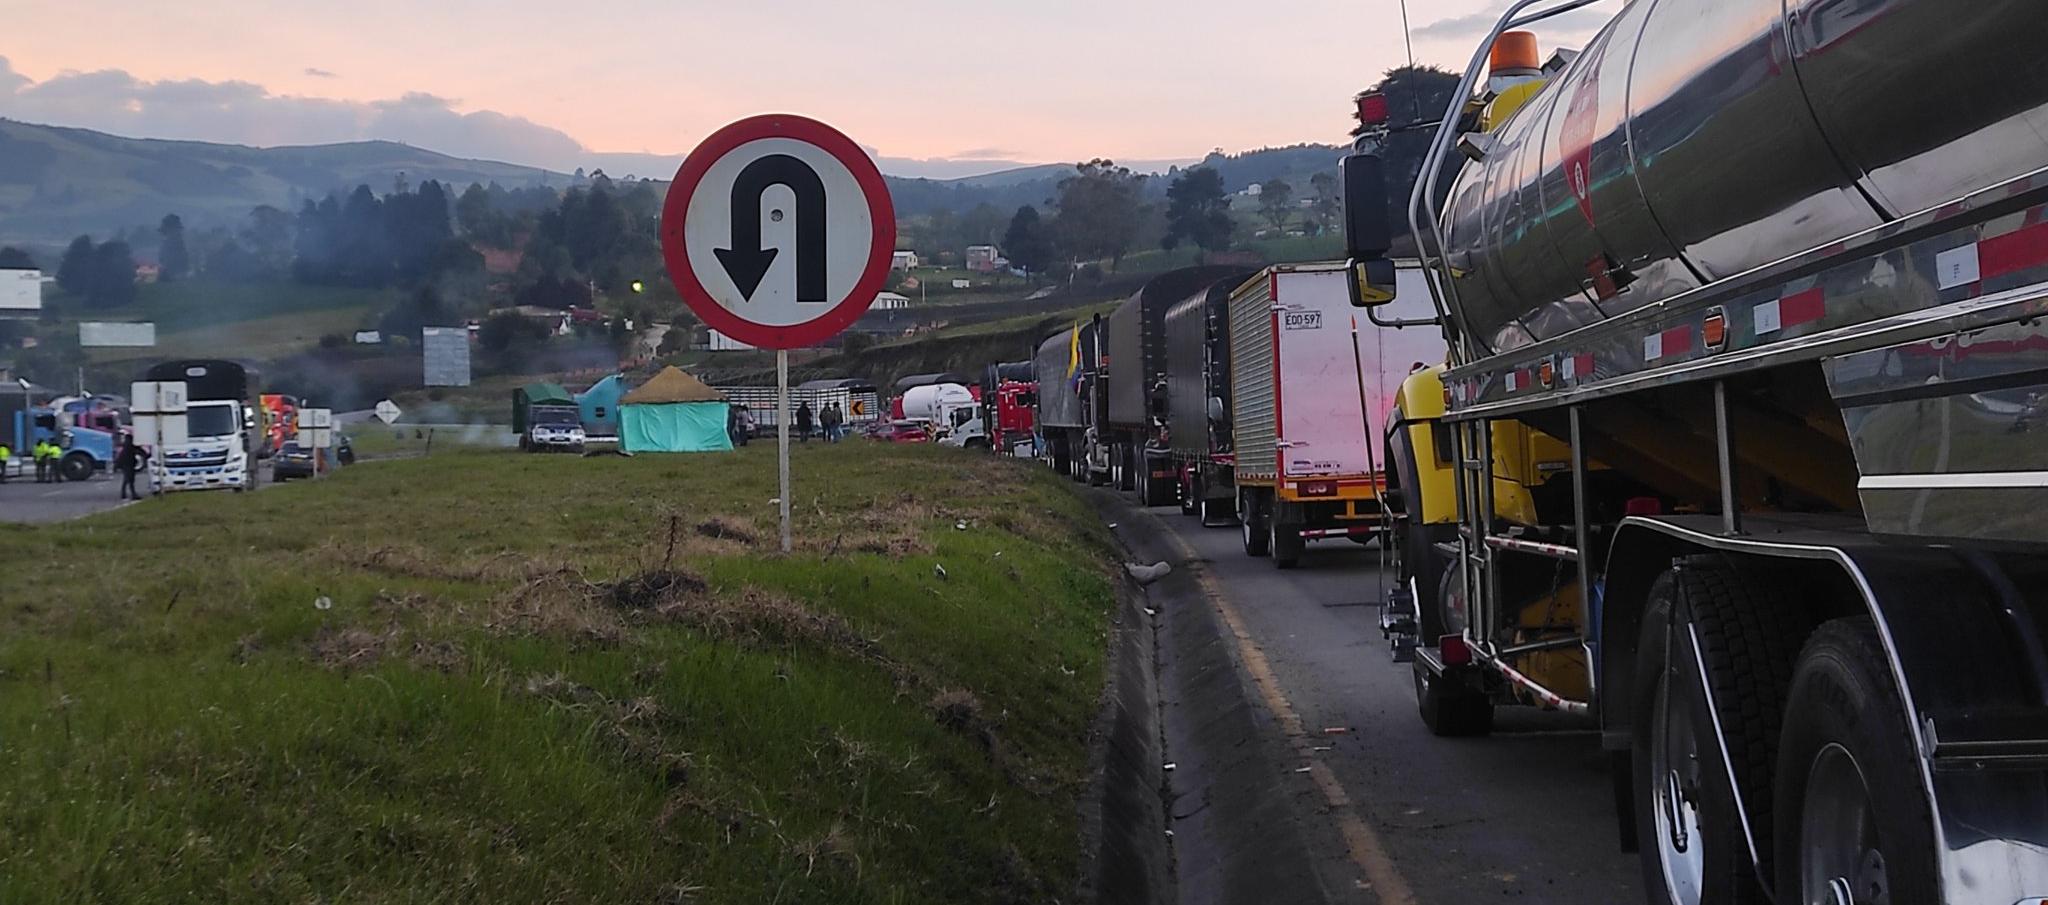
(934, 88)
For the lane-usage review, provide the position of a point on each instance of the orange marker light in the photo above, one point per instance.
(1715, 329)
(1515, 50)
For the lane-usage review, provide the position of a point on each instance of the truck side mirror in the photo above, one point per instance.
(1370, 282)
(1367, 236)
(1217, 413)
(1366, 232)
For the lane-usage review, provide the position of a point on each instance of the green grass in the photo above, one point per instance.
(501, 706)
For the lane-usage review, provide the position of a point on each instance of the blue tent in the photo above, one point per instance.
(600, 405)
(674, 412)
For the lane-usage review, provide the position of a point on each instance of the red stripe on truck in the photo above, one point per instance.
(1802, 307)
(2015, 251)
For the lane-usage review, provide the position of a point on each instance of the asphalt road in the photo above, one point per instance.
(1526, 814)
(25, 502)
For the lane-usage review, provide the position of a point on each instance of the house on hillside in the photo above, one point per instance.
(903, 261)
(889, 301)
(984, 259)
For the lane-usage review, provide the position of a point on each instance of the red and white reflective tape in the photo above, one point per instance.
(2021, 247)
(1549, 698)
(1337, 532)
(1575, 367)
(1669, 343)
(1790, 311)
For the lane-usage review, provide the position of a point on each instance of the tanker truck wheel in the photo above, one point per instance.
(1688, 820)
(76, 467)
(1059, 456)
(1251, 514)
(1852, 821)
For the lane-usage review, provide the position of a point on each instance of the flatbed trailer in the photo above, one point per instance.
(1740, 442)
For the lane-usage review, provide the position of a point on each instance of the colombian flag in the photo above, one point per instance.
(1074, 359)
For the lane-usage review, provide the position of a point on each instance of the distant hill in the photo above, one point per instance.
(57, 182)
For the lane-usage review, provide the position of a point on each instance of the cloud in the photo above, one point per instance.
(1575, 25)
(238, 112)
(319, 73)
(111, 100)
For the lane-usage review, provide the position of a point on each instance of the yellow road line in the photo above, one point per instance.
(1365, 847)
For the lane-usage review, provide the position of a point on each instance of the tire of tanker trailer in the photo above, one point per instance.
(1849, 779)
(1448, 704)
(1690, 710)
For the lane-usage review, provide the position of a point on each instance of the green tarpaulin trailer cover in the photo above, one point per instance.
(532, 394)
(674, 412)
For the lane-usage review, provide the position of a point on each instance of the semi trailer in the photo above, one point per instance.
(1069, 399)
(1738, 452)
(1197, 401)
(1133, 367)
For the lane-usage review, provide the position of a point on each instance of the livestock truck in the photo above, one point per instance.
(1312, 381)
(1069, 399)
(224, 427)
(1133, 369)
(1739, 454)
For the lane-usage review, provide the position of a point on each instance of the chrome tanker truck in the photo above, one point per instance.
(1742, 449)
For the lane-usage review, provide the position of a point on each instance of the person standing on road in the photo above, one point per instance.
(803, 422)
(746, 424)
(42, 457)
(128, 462)
(6, 459)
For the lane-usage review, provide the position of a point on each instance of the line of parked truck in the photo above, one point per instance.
(1727, 441)
(1253, 397)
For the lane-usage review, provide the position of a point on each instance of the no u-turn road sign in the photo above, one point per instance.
(778, 231)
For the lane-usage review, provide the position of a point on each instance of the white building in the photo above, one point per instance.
(889, 301)
(903, 261)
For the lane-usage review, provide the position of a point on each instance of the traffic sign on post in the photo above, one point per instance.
(778, 232)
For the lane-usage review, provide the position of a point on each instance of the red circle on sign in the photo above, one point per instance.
(881, 213)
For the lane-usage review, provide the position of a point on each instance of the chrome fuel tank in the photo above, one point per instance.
(1696, 139)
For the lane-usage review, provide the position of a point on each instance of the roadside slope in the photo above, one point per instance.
(494, 677)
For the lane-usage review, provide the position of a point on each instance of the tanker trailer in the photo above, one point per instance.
(1781, 267)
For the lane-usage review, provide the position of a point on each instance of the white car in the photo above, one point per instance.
(542, 437)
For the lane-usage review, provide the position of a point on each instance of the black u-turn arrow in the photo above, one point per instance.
(746, 261)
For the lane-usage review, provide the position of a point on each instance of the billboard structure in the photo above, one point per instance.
(92, 334)
(21, 290)
(445, 356)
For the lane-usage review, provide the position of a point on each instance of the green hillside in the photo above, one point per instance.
(58, 182)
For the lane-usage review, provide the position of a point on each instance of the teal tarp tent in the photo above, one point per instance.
(600, 406)
(674, 412)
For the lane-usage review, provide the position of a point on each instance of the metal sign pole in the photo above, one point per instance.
(782, 435)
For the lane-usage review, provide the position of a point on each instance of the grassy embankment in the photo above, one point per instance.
(543, 678)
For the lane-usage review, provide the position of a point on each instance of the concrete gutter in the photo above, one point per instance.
(1127, 857)
(1177, 694)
